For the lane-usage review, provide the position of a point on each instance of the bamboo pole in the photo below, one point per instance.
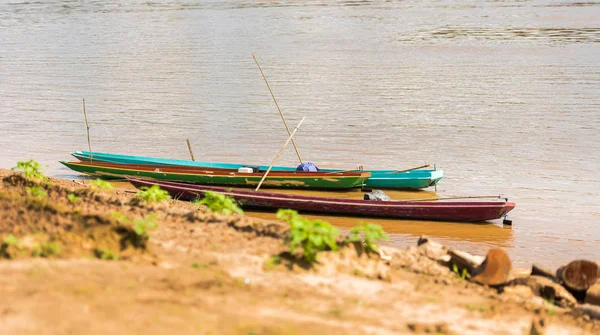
(87, 126)
(279, 153)
(279, 109)
(190, 149)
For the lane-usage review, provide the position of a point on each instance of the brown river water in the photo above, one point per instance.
(504, 96)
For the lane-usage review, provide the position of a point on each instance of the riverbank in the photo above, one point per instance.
(72, 266)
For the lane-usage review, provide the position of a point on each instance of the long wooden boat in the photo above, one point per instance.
(414, 210)
(230, 177)
(391, 179)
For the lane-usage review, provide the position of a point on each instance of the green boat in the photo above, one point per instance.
(391, 179)
(229, 177)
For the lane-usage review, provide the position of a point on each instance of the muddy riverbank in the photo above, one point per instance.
(69, 265)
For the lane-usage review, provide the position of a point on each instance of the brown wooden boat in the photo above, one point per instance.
(415, 210)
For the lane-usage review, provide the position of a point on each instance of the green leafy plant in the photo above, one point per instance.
(102, 185)
(219, 203)
(8, 242)
(46, 249)
(36, 191)
(312, 236)
(11, 240)
(153, 194)
(31, 168)
(370, 233)
(550, 306)
(106, 254)
(272, 262)
(73, 198)
(462, 275)
(141, 227)
(199, 266)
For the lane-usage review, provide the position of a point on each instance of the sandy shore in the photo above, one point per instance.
(205, 273)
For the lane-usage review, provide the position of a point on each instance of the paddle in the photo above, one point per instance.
(279, 153)
(279, 109)
(411, 169)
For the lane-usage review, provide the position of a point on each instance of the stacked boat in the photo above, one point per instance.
(191, 180)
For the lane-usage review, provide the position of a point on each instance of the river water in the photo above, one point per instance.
(501, 95)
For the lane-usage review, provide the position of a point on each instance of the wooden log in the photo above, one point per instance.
(579, 275)
(547, 289)
(590, 310)
(494, 270)
(433, 250)
(538, 270)
(592, 296)
(464, 260)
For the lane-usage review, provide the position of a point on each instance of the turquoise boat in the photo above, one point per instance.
(390, 179)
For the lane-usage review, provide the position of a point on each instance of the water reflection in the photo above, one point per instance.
(502, 95)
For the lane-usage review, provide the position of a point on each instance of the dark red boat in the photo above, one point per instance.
(414, 210)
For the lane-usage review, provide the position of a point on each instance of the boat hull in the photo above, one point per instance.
(389, 179)
(470, 211)
(206, 176)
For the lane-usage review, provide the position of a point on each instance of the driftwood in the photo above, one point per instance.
(538, 270)
(494, 270)
(547, 289)
(433, 250)
(578, 275)
(592, 296)
(464, 260)
(591, 310)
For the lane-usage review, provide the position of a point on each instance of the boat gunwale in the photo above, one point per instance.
(193, 188)
(219, 172)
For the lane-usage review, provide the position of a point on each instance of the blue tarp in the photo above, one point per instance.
(307, 167)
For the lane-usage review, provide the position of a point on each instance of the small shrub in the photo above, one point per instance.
(101, 185)
(219, 203)
(73, 198)
(32, 169)
(105, 254)
(153, 194)
(46, 249)
(312, 236)
(36, 191)
(370, 233)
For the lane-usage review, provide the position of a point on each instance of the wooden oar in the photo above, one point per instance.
(279, 109)
(87, 126)
(411, 169)
(279, 153)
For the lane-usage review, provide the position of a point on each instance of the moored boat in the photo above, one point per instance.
(471, 211)
(229, 177)
(391, 179)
